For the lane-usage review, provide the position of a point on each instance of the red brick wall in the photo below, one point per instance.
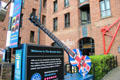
(3, 29)
(72, 35)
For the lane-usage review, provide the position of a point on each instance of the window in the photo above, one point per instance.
(44, 3)
(85, 17)
(81, 1)
(67, 20)
(33, 12)
(32, 36)
(43, 19)
(55, 24)
(85, 14)
(66, 3)
(105, 8)
(55, 5)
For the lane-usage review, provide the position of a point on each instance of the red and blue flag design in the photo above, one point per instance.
(83, 64)
(72, 60)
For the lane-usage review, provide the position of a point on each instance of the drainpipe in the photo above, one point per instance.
(40, 22)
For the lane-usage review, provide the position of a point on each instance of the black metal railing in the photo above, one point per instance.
(7, 71)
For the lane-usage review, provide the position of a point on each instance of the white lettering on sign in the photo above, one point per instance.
(17, 64)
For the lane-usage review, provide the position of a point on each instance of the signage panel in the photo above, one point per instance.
(43, 63)
(15, 24)
(84, 31)
(18, 64)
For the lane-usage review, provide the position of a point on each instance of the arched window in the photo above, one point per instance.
(86, 45)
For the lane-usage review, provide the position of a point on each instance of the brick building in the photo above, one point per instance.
(77, 23)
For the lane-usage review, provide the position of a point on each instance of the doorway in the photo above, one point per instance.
(86, 45)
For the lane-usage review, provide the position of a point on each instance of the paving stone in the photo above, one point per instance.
(113, 74)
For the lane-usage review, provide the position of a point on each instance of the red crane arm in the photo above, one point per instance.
(106, 32)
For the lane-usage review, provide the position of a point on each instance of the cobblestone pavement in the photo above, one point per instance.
(113, 74)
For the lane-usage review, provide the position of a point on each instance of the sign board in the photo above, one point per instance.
(84, 31)
(15, 24)
(18, 63)
(44, 63)
(8, 39)
(39, 63)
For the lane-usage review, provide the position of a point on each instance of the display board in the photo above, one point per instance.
(40, 63)
(18, 64)
(15, 24)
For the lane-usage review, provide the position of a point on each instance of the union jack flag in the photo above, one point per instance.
(72, 60)
(82, 62)
(84, 66)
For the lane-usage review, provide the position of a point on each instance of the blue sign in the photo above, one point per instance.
(15, 24)
(18, 59)
(84, 31)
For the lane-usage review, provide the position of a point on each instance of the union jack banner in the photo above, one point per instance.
(83, 64)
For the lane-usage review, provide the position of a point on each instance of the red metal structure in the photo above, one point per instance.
(106, 32)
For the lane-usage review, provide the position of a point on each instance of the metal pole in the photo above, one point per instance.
(104, 43)
(40, 22)
(113, 38)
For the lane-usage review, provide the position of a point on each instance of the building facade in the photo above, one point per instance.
(77, 23)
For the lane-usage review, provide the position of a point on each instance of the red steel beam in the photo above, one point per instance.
(104, 31)
(113, 39)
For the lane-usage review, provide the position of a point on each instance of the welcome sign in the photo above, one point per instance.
(39, 63)
(44, 63)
